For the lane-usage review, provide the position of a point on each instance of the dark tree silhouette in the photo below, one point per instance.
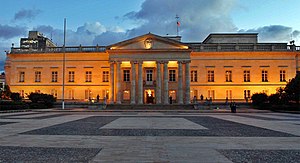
(293, 89)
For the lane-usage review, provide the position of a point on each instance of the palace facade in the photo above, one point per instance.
(155, 69)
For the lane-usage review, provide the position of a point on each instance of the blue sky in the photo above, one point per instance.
(103, 22)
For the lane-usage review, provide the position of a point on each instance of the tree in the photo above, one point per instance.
(293, 89)
(259, 99)
(15, 97)
(5, 94)
(280, 97)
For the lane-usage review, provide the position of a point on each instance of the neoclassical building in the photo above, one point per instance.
(155, 69)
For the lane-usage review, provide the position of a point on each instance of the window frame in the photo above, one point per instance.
(22, 76)
(126, 75)
(247, 76)
(228, 75)
(54, 76)
(37, 76)
(172, 76)
(210, 75)
(105, 76)
(264, 76)
(194, 76)
(282, 76)
(88, 76)
(71, 76)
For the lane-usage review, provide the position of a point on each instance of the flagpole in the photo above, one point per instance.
(64, 65)
(177, 23)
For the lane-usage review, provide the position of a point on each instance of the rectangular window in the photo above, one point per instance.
(194, 76)
(282, 76)
(228, 76)
(229, 94)
(126, 75)
(105, 76)
(38, 76)
(211, 94)
(54, 76)
(88, 94)
(172, 75)
(105, 94)
(210, 76)
(149, 75)
(88, 76)
(247, 94)
(71, 76)
(71, 94)
(247, 76)
(264, 76)
(22, 76)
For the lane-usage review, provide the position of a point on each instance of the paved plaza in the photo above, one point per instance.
(56, 136)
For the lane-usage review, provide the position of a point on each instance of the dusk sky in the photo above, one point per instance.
(103, 22)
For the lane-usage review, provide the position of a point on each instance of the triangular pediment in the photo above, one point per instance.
(149, 42)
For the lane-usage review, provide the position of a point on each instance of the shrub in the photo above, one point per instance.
(259, 99)
(12, 105)
(37, 106)
(45, 99)
(15, 97)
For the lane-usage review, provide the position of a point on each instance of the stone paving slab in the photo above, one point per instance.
(272, 125)
(152, 123)
(38, 154)
(265, 156)
(222, 137)
(215, 127)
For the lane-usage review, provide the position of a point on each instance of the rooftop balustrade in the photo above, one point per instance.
(196, 47)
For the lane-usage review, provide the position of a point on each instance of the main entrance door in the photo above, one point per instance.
(149, 96)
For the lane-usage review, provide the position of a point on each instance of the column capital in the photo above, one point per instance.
(111, 61)
(134, 62)
(180, 62)
(118, 62)
(139, 62)
(163, 62)
(187, 61)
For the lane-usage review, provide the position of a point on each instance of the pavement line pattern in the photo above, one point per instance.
(150, 137)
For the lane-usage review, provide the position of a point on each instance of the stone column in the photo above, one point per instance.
(187, 82)
(132, 91)
(180, 91)
(112, 82)
(158, 83)
(118, 85)
(166, 82)
(140, 82)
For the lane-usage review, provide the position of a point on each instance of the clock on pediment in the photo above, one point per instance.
(148, 43)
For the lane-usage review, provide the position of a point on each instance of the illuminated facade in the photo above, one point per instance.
(155, 69)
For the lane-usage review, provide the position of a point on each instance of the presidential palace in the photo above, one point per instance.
(152, 68)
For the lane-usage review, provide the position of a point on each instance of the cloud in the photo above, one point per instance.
(83, 35)
(29, 14)
(109, 37)
(8, 32)
(274, 33)
(198, 18)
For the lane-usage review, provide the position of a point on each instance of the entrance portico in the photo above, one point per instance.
(152, 63)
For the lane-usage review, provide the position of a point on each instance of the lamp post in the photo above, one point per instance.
(64, 65)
